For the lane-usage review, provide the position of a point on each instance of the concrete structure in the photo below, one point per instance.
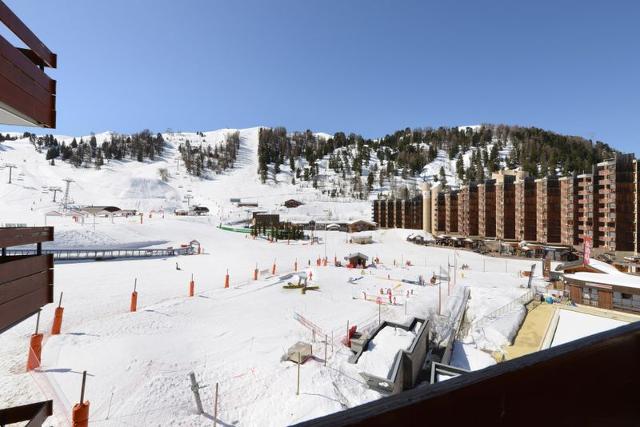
(568, 210)
(468, 210)
(451, 212)
(616, 204)
(525, 208)
(548, 210)
(487, 209)
(505, 205)
(425, 187)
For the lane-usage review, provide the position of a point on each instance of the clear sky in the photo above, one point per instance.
(365, 66)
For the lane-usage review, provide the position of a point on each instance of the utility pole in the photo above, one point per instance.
(66, 199)
(55, 191)
(11, 166)
(188, 197)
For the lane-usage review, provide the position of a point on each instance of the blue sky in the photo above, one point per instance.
(364, 66)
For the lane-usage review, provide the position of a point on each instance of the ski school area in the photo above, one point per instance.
(218, 335)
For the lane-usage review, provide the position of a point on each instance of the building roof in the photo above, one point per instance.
(619, 279)
(356, 255)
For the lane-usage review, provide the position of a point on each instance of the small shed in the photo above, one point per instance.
(292, 203)
(361, 238)
(361, 225)
(357, 260)
(300, 352)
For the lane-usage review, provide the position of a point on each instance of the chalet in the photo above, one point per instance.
(263, 219)
(361, 225)
(357, 260)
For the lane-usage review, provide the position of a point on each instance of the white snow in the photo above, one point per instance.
(467, 356)
(378, 358)
(138, 363)
(573, 325)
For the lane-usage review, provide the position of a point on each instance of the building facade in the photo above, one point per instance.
(548, 210)
(525, 208)
(468, 210)
(616, 204)
(568, 210)
(451, 212)
(505, 205)
(487, 209)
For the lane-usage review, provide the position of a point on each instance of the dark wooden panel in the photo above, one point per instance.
(35, 413)
(15, 75)
(23, 286)
(14, 56)
(25, 105)
(18, 309)
(605, 299)
(26, 35)
(12, 268)
(24, 235)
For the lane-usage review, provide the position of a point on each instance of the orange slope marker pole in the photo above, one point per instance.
(35, 348)
(57, 317)
(255, 273)
(80, 415)
(134, 297)
(191, 286)
(273, 268)
(226, 279)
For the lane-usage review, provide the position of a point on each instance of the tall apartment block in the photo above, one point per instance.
(568, 210)
(616, 203)
(411, 213)
(525, 207)
(587, 207)
(487, 209)
(397, 213)
(468, 210)
(451, 212)
(548, 210)
(505, 205)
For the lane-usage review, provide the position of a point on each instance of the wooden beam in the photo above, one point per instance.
(35, 413)
(17, 236)
(23, 32)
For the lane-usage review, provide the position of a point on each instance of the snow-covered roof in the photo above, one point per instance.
(619, 279)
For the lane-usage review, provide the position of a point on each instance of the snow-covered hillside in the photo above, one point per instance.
(130, 184)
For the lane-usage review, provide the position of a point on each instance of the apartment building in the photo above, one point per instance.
(487, 209)
(525, 208)
(468, 210)
(505, 205)
(548, 210)
(616, 204)
(568, 203)
(398, 213)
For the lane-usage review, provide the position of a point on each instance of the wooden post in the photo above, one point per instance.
(379, 311)
(298, 386)
(215, 408)
(195, 388)
(348, 334)
(325, 350)
(440, 297)
(84, 383)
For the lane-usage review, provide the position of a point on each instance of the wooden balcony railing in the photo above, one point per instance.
(27, 94)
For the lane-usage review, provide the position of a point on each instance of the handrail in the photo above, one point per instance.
(523, 299)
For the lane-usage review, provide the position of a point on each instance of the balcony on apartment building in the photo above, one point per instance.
(27, 94)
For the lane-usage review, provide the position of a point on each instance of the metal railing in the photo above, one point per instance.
(80, 254)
